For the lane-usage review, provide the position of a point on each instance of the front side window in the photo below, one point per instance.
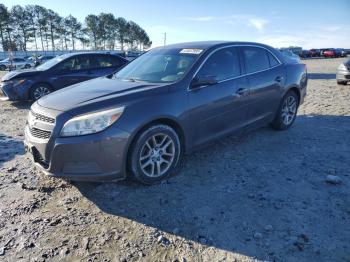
(256, 59)
(160, 65)
(222, 65)
(75, 64)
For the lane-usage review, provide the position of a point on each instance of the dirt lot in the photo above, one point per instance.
(262, 196)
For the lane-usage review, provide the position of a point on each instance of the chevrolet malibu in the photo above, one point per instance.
(139, 121)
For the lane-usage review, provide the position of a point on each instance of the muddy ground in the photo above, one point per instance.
(261, 196)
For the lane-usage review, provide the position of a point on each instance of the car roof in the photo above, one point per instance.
(211, 44)
(88, 53)
(65, 56)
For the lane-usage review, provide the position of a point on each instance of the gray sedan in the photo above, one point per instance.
(343, 73)
(169, 101)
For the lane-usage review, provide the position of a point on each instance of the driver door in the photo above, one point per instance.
(219, 108)
(73, 70)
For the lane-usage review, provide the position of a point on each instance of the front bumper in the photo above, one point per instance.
(96, 157)
(15, 93)
(343, 75)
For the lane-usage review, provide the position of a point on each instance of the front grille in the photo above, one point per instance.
(38, 133)
(43, 118)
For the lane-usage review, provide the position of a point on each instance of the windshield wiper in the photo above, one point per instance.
(131, 79)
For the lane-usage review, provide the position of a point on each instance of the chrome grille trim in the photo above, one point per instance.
(38, 133)
(43, 118)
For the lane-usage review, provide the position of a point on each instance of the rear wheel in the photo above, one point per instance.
(154, 154)
(287, 111)
(39, 90)
(2, 67)
(27, 66)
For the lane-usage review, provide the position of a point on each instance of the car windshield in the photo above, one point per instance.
(50, 63)
(160, 65)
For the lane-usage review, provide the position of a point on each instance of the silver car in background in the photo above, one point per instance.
(343, 73)
(16, 63)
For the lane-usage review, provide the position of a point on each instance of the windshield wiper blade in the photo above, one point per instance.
(133, 80)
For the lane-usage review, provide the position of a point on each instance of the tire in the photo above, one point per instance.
(340, 82)
(284, 120)
(2, 67)
(39, 90)
(27, 66)
(146, 155)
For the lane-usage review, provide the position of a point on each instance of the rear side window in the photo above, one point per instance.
(272, 59)
(256, 59)
(103, 61)
(223, 64)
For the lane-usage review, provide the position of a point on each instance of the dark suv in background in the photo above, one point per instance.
(57, 73)
(164, 103)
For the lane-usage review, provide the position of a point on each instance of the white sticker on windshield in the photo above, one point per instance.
(193, 51)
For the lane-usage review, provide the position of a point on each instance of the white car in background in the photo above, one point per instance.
(17, 63)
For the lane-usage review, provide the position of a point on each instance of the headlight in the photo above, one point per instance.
(342, 67)
(91, 123)
(17, 82)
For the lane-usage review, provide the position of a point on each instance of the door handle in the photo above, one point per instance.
(279, 79)
(242, 91)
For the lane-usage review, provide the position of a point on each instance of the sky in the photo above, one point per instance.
(310, 24)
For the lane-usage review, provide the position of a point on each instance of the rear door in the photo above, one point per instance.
(71, 71)
(222, 107)
(266, 78)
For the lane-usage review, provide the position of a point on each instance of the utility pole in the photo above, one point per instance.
(164, 38)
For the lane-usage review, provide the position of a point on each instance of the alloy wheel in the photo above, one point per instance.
(289, 110)
(41, 91)
(157, 155)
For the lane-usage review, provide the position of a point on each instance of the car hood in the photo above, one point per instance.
(93, 91)
(20, 73)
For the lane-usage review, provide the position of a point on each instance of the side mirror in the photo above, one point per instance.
(200, 81)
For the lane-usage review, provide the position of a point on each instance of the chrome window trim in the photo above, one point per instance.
(236, 77)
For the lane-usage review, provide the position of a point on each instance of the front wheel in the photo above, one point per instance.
(39, 90)
(154, 154)
(287, 111)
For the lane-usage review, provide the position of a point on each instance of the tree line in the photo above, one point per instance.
(43, 29)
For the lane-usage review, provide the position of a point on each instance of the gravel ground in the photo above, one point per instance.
(261, 196)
